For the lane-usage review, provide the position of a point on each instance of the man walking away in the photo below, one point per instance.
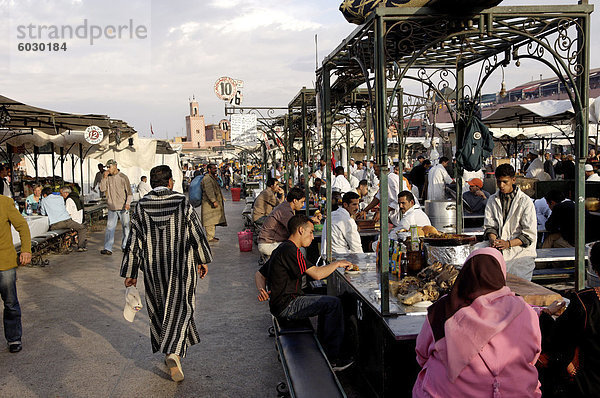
(167, 242)
(59, 218)
(9, 215)
(118, 193)
(213, 208)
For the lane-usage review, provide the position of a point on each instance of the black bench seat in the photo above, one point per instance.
(307, 370)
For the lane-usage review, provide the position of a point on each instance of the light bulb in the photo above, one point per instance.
(503, 89)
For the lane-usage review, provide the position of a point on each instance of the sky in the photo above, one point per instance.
(169, 51)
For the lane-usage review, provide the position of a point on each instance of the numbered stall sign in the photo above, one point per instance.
(226, 88)
(93, 135)
(237, 98)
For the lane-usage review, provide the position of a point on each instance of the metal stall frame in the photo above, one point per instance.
(265, 115)
(436, 49)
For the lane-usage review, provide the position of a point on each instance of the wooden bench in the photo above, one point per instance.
(306, 368)
(553, 274)
(56, 241)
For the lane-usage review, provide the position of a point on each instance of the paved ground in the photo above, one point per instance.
(76, 342)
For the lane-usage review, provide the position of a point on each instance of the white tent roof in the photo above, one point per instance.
(532, 114)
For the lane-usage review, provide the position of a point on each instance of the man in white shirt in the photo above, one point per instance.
(340, 182)
(74, 209)
(143, 187)
(438, 178)
(590, 175)
(351, 167)
(393, 189)
(363, 193)
(411, 213)
(344, 231)
(361, 172)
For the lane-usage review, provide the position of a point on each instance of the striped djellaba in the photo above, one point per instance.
(167, 242)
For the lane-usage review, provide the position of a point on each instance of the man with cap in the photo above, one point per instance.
(168, 244)
(590, 174)
(115, 185)
(476, 198)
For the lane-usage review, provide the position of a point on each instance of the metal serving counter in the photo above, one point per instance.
(383, 347)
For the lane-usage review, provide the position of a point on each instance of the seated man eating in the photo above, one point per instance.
(284, 273)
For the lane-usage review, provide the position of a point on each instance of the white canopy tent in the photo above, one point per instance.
(133, 160)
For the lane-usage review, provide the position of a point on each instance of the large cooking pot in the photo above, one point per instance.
(442, 214)
(592, 204)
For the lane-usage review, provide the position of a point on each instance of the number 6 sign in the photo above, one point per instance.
(225, 88)
(93, 135)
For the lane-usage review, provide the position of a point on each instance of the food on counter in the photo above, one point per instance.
(429, 230)
(354, 268)
(408, 284)
(413, 298)
(429, 285)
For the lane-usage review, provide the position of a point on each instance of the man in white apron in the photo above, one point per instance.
(511, 225)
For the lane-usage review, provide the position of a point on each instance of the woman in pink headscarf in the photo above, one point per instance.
(480, 340)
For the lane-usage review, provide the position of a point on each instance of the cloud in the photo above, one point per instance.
(261, 18)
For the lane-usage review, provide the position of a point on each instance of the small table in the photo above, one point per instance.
(38, 225)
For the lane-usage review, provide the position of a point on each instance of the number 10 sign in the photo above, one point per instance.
(225, 88)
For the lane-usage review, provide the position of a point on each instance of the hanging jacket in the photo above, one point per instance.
(477, 145)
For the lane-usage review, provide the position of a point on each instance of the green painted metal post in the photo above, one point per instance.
(286, 153)
(305, 152)
(381, 121)
(36, 154)
(400, 133)
(581, 138)
(326, 115)
(265, 157)
(460, 133)
(368, 133)
(348, 147)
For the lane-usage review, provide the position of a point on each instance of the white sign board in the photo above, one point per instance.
(226, 88)
(243, 130)
(93, 135)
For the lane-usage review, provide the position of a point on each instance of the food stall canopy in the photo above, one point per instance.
(23, 116)
(62, 140)
(532, 114)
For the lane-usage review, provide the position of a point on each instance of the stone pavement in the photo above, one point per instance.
(76, 342)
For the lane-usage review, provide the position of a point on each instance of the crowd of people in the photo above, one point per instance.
(512, 346)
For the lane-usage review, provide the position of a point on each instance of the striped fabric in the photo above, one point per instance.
(167, 242)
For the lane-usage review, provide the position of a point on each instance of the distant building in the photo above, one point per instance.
(199, 136)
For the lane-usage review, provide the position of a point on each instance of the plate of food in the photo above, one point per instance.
(353, 270)
(422, 304)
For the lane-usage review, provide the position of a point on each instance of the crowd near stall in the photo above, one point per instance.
(488, 222)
